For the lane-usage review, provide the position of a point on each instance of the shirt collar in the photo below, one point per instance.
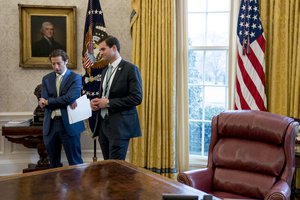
(116, 62)
(62, 74)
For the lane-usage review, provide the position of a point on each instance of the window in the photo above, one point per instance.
(208, 54)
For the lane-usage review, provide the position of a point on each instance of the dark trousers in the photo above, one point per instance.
(59, 137)
(111, 147)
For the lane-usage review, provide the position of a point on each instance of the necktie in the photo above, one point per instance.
(104, 111)
(58, 82)
(108, 77)
(57, 85)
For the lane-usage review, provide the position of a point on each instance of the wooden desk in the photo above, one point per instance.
(110, 179)
(30, 137)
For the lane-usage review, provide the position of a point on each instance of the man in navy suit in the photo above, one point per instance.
(121, 91)
(61, 88)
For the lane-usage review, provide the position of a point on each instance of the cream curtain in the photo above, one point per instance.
(152, 23)
(282, 29)
(234, 14)
(182, 147)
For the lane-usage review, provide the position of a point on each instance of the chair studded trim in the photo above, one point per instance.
(184, 179)
(276, 195)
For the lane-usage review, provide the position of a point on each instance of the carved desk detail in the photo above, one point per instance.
(30, 137)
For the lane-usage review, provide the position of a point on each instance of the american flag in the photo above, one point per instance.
(250, 75)
(88, 59)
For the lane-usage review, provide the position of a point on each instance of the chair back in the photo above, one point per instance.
(250, 151)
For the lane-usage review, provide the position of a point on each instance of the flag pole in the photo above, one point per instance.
(95, 150)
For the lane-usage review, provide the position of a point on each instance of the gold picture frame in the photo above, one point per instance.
(33, 52)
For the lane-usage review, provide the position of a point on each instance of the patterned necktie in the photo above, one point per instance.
(108, 77)
(104, 111)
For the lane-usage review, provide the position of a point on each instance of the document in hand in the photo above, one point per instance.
(81, 112)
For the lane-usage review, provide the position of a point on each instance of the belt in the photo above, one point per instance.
(57, 118)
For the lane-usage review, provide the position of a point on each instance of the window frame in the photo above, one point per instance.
(196, 161)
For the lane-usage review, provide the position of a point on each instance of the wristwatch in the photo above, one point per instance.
(107, 104)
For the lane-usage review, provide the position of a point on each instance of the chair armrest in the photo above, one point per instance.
(280, 190)
(200, 179)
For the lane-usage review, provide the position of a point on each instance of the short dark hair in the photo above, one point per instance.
(111, 41)
(59, 52)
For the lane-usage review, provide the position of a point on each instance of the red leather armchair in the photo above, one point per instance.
(251, 156)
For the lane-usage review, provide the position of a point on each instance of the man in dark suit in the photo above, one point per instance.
(46, 44)
(61, 88)
(121, 90)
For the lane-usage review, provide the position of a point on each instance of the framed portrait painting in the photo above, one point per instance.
(43, 29)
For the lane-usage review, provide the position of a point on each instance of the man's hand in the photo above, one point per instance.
(73, 105)
(43, 102)
(98, 103)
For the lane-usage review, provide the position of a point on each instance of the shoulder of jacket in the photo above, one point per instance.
(49, 75)
(126, 63)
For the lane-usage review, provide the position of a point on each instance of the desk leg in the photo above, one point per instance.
(43, 162)
(33, 142)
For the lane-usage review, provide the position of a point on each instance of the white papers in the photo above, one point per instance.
(81, 112)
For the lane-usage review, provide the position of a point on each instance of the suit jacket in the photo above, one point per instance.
(69, 91)
(42, 48)
(124, 95)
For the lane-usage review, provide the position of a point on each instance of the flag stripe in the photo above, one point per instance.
(240, 101)
(256, 57)
(258, 49)
(245, 93)
(248, 81)
(258, 74)
(255, 71)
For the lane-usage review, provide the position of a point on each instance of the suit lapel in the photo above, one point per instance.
(52, 82)
(117, 74)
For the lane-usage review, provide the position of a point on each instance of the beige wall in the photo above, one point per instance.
(17, 84)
